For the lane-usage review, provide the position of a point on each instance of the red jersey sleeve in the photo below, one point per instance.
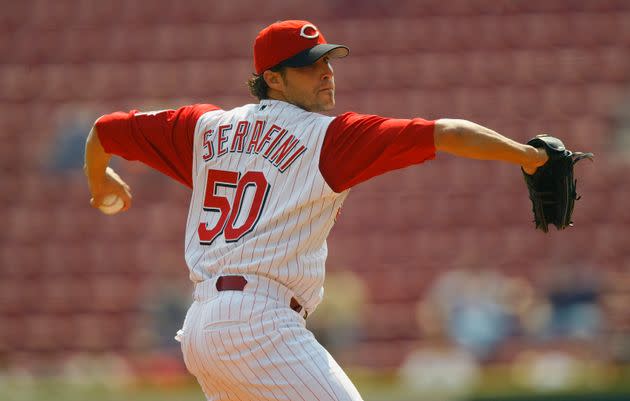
(160, 139)
(358, 147)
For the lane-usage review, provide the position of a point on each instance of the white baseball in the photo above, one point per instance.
(112, 204)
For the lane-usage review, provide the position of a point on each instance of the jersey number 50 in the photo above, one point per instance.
(230, 211)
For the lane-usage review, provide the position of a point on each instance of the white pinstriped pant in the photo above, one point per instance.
(250, 346)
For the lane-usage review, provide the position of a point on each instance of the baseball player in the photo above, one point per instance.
(267, 182)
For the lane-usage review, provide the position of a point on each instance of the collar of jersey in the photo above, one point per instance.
(271, 102)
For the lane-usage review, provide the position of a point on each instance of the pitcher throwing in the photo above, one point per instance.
(267, 182)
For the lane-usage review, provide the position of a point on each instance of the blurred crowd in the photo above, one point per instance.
(435, 272)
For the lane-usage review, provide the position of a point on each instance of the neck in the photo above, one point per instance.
(276, 95)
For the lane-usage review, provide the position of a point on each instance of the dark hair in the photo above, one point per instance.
(257, 85)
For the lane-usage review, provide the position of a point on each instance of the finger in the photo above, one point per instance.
(126, 207)
(125, 197)
(112, 174)
(127, 191)
(96, 201)
(127, 204)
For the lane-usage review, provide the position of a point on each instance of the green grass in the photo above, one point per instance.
(57, 390)
(373, 387)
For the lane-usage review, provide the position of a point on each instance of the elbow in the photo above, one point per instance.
(97, 123)
(93, 135)
(447, 130)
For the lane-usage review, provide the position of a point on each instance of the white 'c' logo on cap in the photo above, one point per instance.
(309, 31)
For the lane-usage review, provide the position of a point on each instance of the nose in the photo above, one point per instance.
(326, 69)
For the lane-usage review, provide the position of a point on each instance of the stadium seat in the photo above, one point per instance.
(520, 68)
(390, 321)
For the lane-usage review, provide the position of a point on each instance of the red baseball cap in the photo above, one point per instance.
(292, 43)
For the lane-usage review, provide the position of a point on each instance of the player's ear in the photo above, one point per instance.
(273, 80)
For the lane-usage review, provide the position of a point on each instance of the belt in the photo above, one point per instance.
(237, 283)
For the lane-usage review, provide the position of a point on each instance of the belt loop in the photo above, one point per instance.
(238, 282)
(231, 283)
(295, 305)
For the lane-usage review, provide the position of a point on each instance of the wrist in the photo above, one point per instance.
(534, 158)
(95, 176)
(94, 171)
(540, 156)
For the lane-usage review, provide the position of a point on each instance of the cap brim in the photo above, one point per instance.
(309, 56)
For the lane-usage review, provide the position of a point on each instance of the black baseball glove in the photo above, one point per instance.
(552, 186)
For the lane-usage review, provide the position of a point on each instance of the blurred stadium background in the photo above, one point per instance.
(438, 286)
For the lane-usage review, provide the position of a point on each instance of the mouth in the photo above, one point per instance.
(326, 89)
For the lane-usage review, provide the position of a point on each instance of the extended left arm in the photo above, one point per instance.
(467, 139)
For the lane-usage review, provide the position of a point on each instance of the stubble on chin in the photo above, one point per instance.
(327, 102)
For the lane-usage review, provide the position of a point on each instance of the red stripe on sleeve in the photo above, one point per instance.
(358, 147)
(162, 140)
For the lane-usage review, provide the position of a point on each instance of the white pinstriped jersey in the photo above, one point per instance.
(261, 208)
(260, 204)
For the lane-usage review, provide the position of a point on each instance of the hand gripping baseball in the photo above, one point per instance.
(552, 188)
(106, 193)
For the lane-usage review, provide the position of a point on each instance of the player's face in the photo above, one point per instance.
(311, 87)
